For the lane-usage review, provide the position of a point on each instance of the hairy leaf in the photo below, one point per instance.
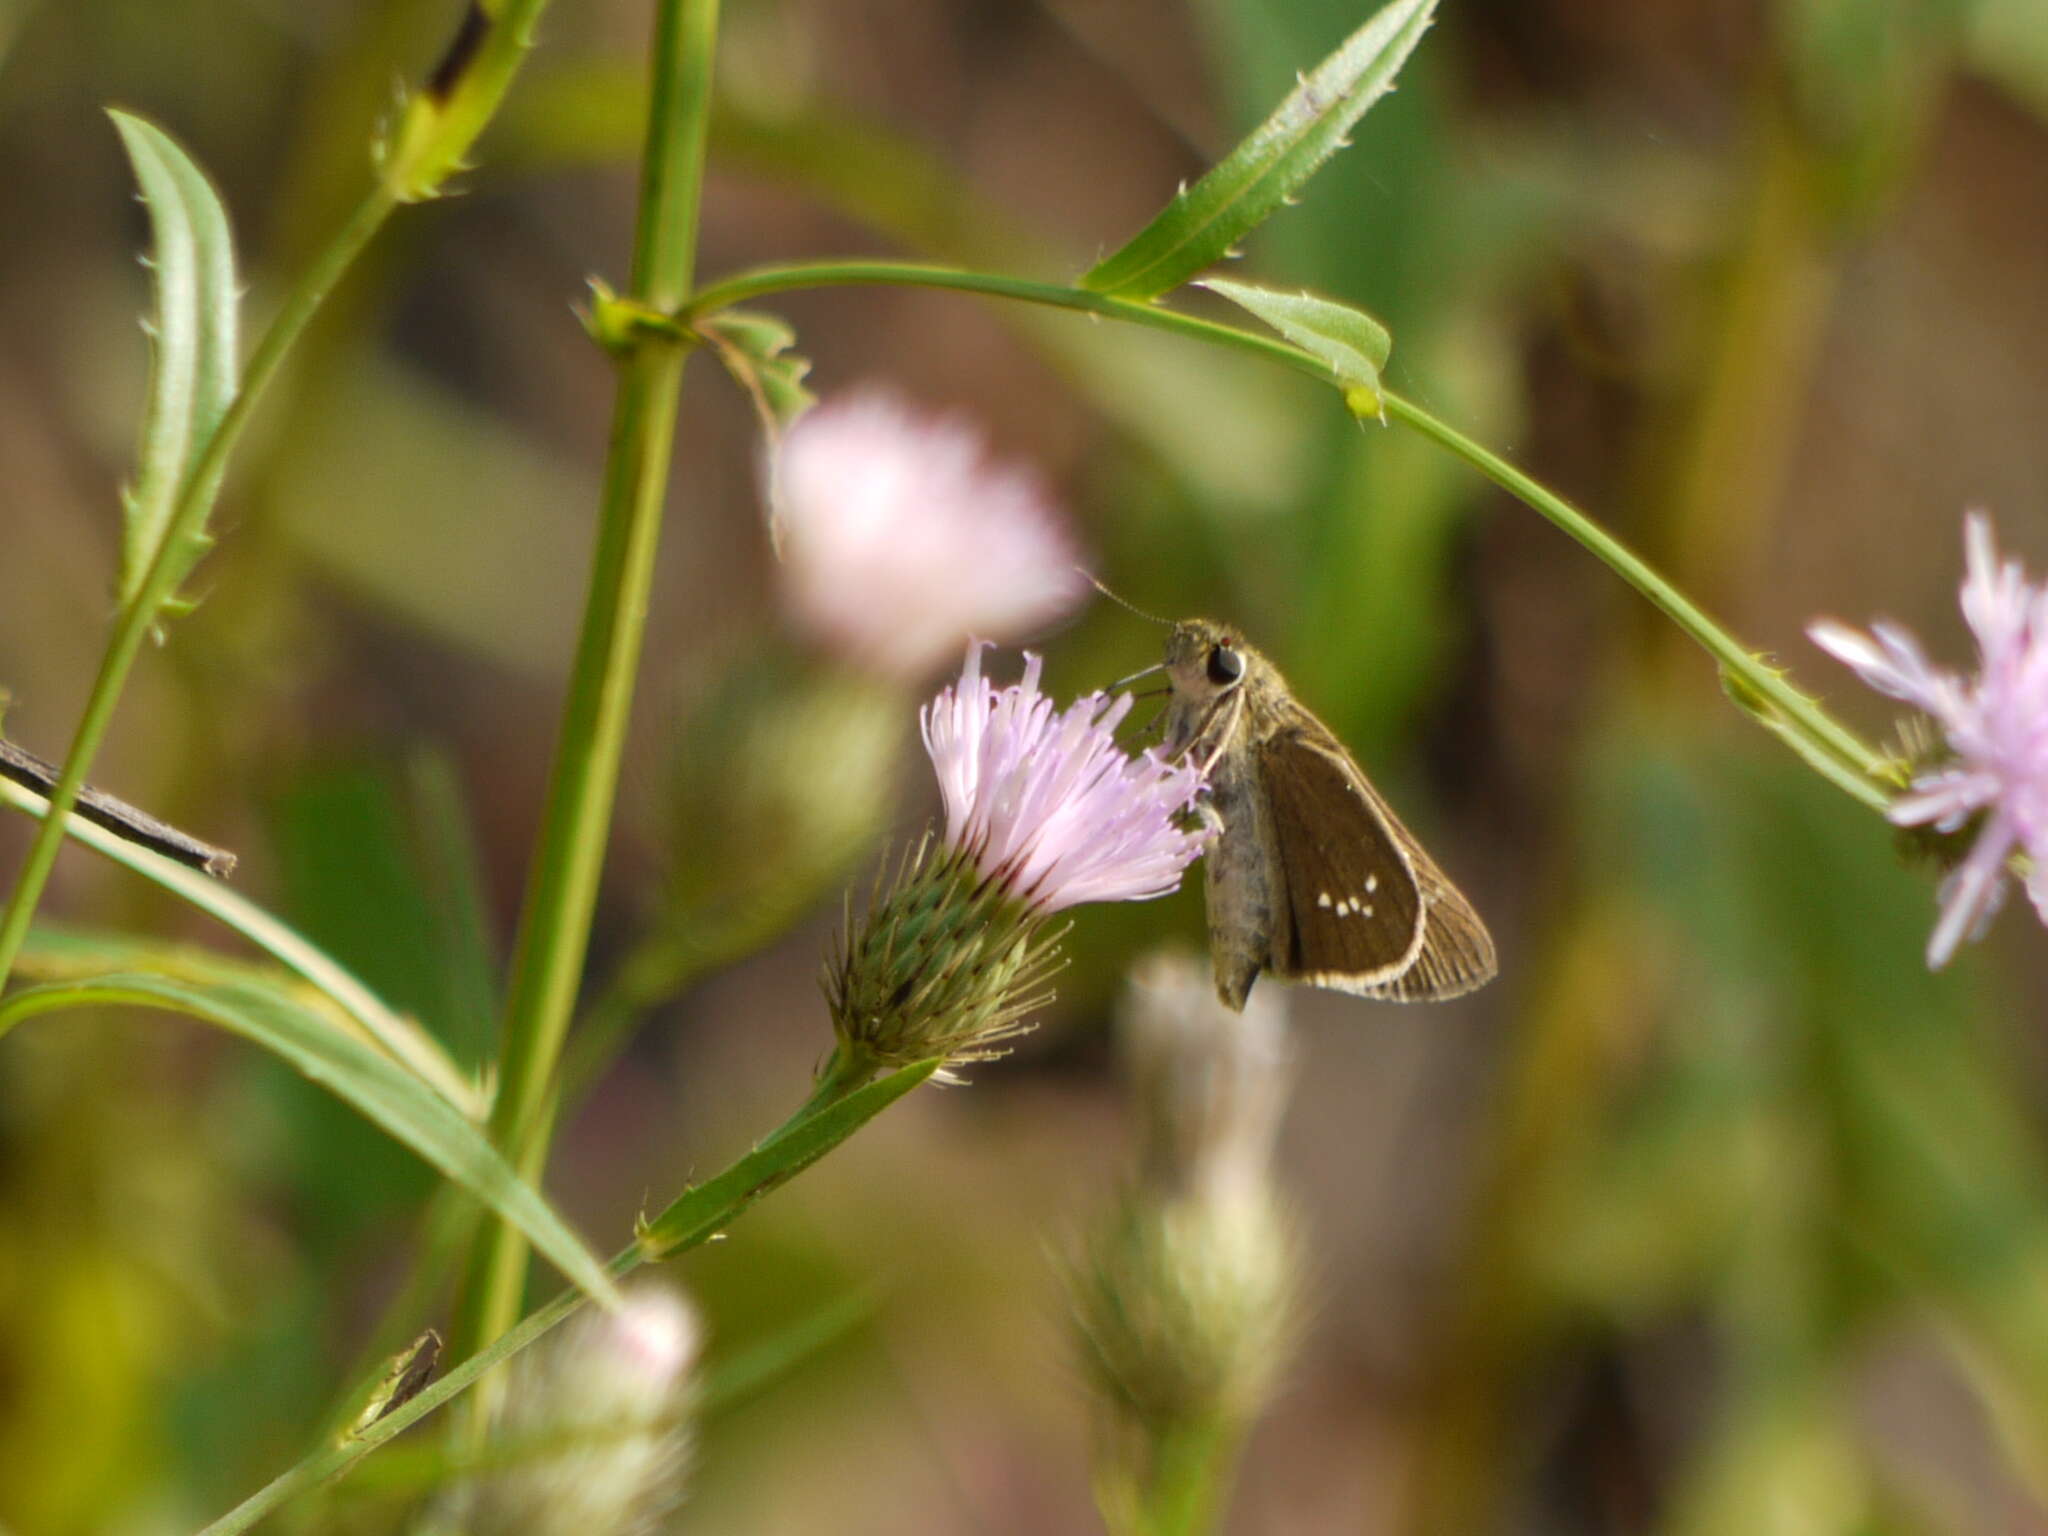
(192, 377)
(1353, 343)
(1203, 222)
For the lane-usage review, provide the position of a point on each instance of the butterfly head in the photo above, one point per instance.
(1207, 661)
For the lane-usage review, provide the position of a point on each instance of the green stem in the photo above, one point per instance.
(912, 274)
(1190, 1466)
(1794, 710)
(562, 889)
(1760, 688)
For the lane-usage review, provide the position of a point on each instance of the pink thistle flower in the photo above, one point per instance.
(900, 537)
(1996, 725)
(1048, 805)
(1043, 811)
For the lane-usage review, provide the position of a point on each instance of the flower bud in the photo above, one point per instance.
(1185, 1309)
(757, 834)
(1184, 1299)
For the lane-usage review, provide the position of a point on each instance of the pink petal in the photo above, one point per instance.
(1970, 895)
(1048, 804)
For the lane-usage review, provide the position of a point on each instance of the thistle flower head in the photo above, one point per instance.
(1995, 728)
(593, 1427)
(900, 536)
(1047, 805)
(1043, 811)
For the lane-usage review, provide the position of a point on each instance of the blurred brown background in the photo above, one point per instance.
(1715, 1214)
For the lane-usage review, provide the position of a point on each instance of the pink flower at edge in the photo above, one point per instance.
(1047, 804)
(1996, 726)
(900, 536)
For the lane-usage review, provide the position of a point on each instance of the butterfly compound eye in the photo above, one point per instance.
(1225, 666)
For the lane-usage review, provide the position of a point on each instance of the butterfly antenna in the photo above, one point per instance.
(1096, 583)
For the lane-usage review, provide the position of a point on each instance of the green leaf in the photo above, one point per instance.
(1353, 343)
(192, 377)
(311, 1040)
(755, 348)
(1205, 221)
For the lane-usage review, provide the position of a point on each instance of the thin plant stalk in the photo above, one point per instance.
(1190, 1475)
(562, 889)
(443, 121)
(1842, 757)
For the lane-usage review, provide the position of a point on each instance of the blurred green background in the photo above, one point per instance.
(1715, 1214)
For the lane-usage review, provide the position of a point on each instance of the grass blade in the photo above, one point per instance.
(401, 1037)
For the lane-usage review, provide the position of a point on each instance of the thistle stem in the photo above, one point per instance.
(562, 887)
(1190, 1465)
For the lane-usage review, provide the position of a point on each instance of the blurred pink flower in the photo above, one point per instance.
(1996, 725)
(594, 1426)
(1048, 805)
(900, 537)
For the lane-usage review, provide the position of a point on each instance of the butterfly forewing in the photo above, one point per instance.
(1354, 910)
